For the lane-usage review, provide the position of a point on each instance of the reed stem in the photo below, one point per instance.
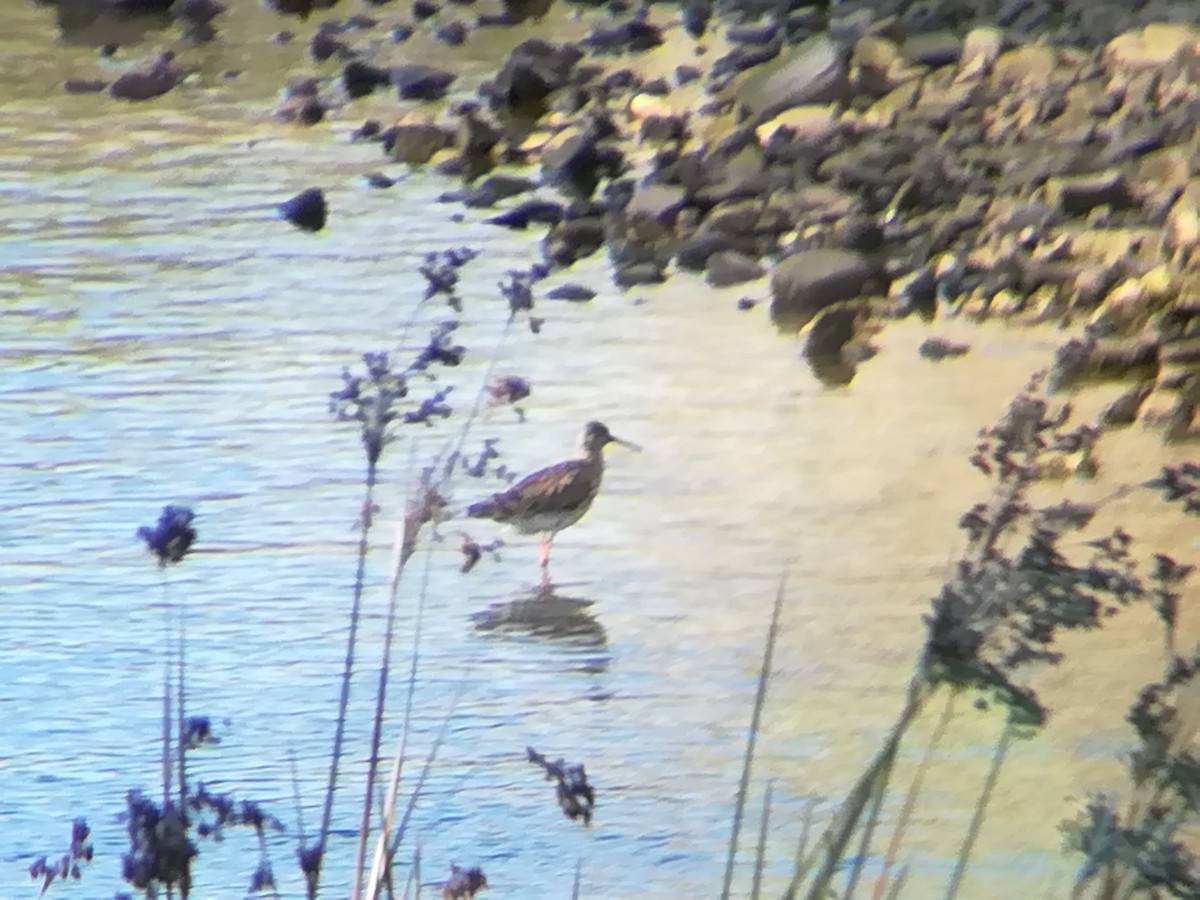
(910, 799)
(760, 857)
(964, 855)
(760, 696)
(347, 673)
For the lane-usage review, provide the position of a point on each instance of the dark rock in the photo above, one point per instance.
(379, 180)
(306, 210)
(656, 87)
(366, 131)
(695, 16)
(517, 11)
(196, 12)
(299, 8)
(453, 34)
(540, 212)
(693, 252)
(743, 57)
(302, 109)
(418, 82)
(1076, 195)
(934, 48)
(936, 349)
(495, 188)
(728, 267)
(85, 85)
(862, 233)
(1124, 409)
(324, 46)
(745, 304)
(360, 79)
(578, 163)
(752, 34)
(148, 83)
(1134, 143)
(574, 239)
(815, 71)
(576, 293)
(620, 81)
(400, 33)
(424, 9)
(283, 37)
(918, 293)
(629, 37)
(415, 142)
(655, 203)
(686, 75)
(533, 70)
(742, 176)
(833, 328)
(638, 273)
(808, 281)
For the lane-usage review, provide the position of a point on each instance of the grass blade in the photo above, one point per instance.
(760, 857)
(364, 830)
(831, 848)
(868, 831)
(339, 732)
(914, 790)
(760, 697)
(964, 855)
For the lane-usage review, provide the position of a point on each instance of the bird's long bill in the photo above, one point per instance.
(628, 445)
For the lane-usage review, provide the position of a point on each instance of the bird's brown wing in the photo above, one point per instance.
(562, 486)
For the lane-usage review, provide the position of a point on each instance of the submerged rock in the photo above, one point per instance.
(150, 82)
(808, 281)
(419, 82)
(307, 210)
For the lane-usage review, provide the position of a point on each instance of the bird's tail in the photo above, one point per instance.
(484, 509)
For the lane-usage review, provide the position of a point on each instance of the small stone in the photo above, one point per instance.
(307, 210)
(936, 349)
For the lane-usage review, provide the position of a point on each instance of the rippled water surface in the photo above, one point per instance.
(164, 338)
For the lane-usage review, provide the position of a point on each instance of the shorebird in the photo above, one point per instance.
(556, 497)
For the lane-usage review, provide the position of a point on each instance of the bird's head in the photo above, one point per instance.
(596, 437)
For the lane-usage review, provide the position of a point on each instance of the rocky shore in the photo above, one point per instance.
(1039, 163)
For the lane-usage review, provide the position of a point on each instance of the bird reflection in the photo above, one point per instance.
(543, 612)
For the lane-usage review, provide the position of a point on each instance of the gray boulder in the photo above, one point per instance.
(807, 282)
(815, 71)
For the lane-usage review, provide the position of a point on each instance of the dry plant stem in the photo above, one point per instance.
(425, 770)
(296, 797)
(385, 852)
(179, 706)
(898, 884)
(864, 841)
(477, 407)
(578, 878)
(799, 861)
(347, 672)
(760, 857)
(166, 721)
(381, 859)
(985, 796)
(364, 828)
(831, 848)
(760, 697)
(914, 790)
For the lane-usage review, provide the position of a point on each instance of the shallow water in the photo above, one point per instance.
(163, 338)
